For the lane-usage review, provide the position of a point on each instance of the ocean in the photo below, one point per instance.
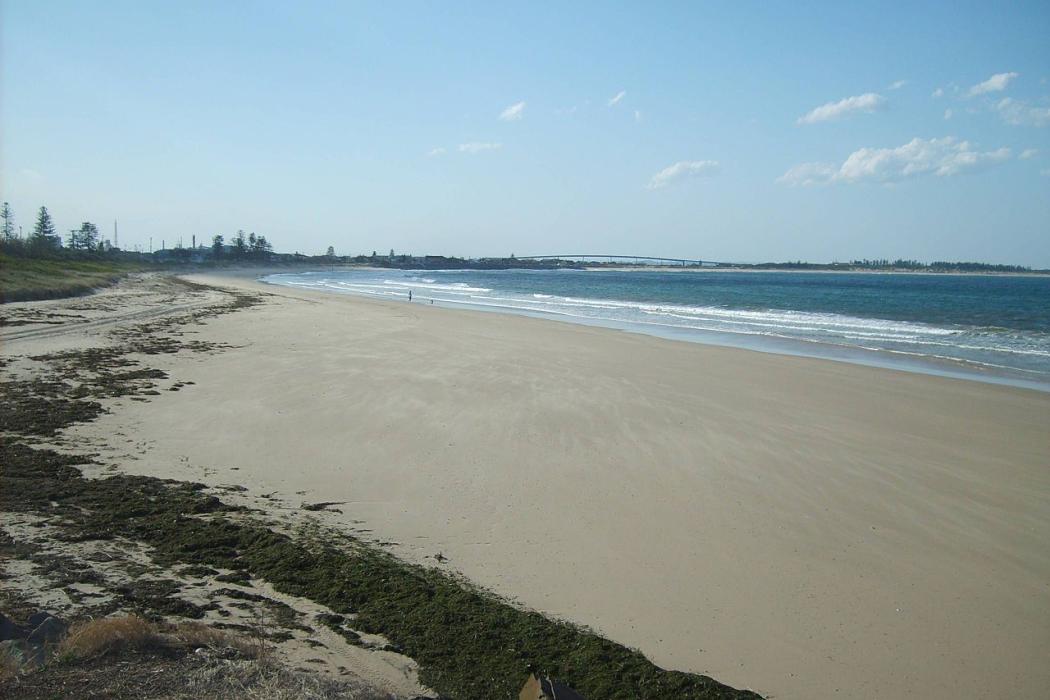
(986, 327)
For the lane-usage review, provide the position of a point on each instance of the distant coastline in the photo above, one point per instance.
(817, 269)
(442, 262)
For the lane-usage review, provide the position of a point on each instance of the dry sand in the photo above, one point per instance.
(801, 527)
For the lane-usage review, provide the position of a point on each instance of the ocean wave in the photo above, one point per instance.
(455, 287)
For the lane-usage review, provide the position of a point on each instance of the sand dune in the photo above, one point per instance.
(802, 527)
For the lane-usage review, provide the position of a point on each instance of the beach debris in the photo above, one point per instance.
(543, 688)
(324, 505)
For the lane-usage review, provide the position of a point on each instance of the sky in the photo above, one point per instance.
(731, 131)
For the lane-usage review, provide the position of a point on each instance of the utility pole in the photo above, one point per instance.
(116, 242)
(151, 244)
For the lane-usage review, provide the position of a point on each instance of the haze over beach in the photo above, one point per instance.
(439, 351)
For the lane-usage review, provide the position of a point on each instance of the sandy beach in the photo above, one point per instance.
(804, 528)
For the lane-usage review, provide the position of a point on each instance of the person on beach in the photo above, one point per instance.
(410, 295)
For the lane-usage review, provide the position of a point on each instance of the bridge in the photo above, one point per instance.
(646, 259)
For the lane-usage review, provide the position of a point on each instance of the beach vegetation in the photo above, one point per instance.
(95, 638)
(29, 278)
(129, 657)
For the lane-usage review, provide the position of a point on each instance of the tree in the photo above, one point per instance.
(217, 246)
(330, 252)
(239, 245)
(44, 238)
(9, 223)
(84, 238)
(262, 247)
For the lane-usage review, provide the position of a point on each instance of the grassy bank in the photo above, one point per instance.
(27, 279)
(468, 643)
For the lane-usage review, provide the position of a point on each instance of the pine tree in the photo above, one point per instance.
(87, 236)
(9, 223)
(239, 245)
(44, 237)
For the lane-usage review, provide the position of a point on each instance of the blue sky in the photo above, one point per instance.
(724, 131)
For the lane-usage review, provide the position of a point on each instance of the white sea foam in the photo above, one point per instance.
(454, 288)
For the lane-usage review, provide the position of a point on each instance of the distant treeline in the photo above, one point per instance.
(86, 243)
(884, 265)
(444, 262)
(936, 266)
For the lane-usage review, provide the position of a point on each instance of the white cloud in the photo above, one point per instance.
(809, 174)
(681, 170)
(939, 92)
(897, 85)
(942, 157)
(1020, 113)
(638, 116)
(479, 147)
(1028, 153)
(948, 114)
(514, 112)
(1045, 172)
(435, 152)
(868, 102)
(997, 83)
(615, 100)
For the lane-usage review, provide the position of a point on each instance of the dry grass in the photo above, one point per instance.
(195, 635)
(264, 680)
(93, 639)
(164, 665)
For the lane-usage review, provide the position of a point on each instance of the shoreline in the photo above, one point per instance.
(896, 360)
(788, 524)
